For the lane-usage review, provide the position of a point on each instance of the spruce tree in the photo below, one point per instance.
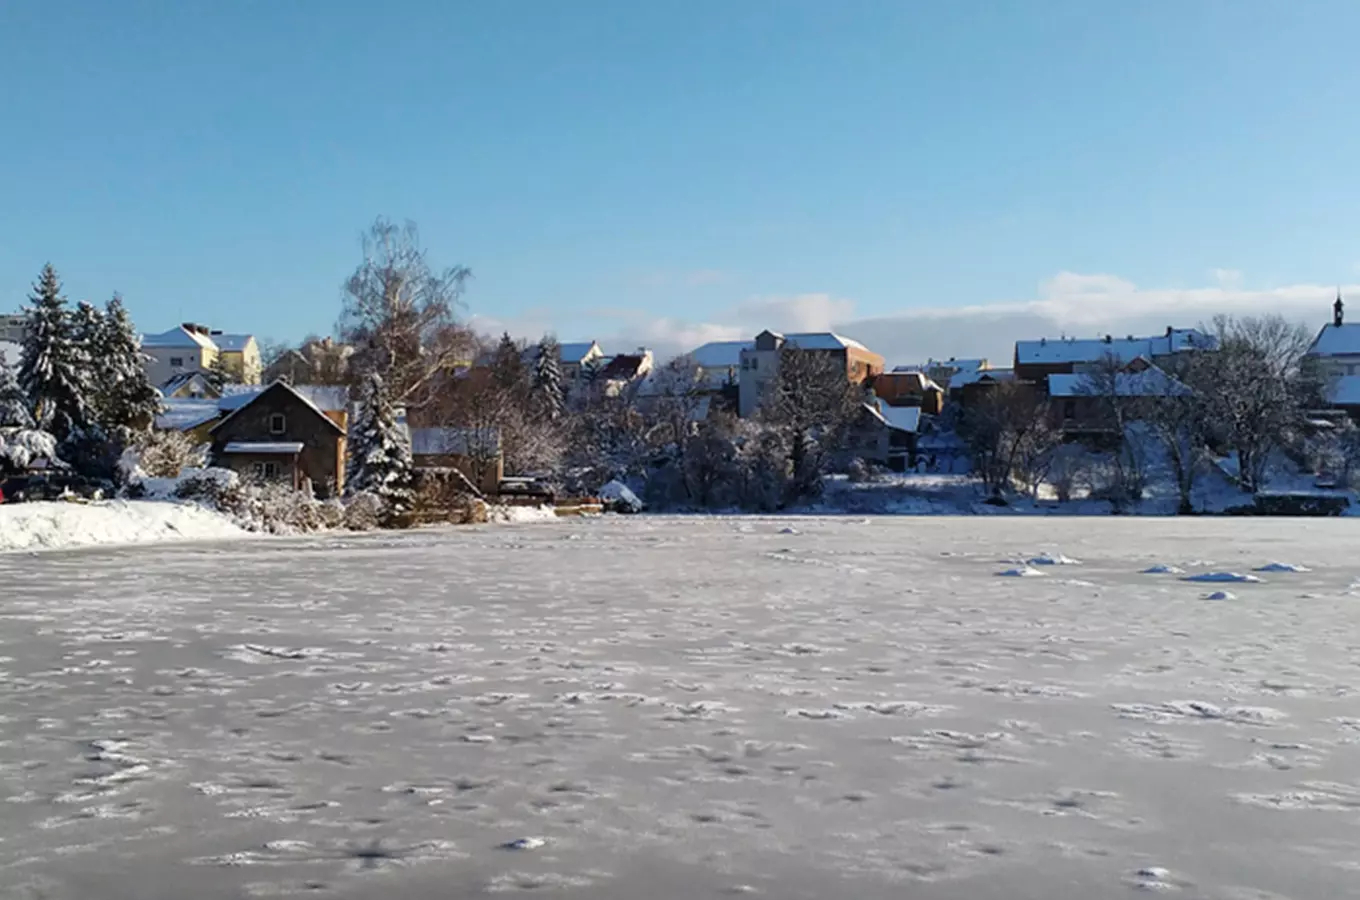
(217, 375)
(14, 408)
(130, 404)
(548, 389)
(380, 457)
(507, 365)
(51, 373)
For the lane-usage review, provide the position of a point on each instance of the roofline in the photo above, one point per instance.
(280, 383)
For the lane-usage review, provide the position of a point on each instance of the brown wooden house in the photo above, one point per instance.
(910, 389)
(282, 433)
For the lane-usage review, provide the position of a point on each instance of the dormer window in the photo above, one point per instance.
(277, 423)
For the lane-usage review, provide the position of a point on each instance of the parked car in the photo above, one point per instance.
(53, 486)
(530, 488)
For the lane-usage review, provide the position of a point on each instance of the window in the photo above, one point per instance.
(277, 423)
(271, 470)
(176, 362)
(1069, 409)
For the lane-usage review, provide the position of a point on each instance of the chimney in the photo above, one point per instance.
(1169, 330)
(215, 332)
(1043, 342)
(1108, 339)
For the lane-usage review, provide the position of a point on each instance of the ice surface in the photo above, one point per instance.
(680, 712)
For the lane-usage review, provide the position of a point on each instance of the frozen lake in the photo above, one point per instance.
(686, 709)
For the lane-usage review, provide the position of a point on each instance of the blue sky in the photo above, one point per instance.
(926, 176)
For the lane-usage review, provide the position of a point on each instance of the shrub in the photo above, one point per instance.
(164, 454)
(363, 512)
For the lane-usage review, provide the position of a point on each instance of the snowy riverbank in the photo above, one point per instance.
(60, 525)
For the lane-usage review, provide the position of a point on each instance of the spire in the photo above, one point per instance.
(1338, 310)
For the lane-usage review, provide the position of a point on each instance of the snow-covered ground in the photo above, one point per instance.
(60, 525)
(606, 709)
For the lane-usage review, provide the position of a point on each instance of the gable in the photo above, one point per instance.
(277, 398)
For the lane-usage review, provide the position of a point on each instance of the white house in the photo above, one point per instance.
(760, 361)
(193, 348)
(1336, 349)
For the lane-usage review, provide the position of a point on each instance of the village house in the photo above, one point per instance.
(889, 435)
(322, 361)
(620, 373)
(475, 453)
(909, 388)
(760, 362)
(1080, 403)
(284, 433)
(192, 348)
(1036, 360)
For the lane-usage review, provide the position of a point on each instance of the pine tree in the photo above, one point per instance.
(507, 365)
(130, 403)
(87, 332)
(14, 408)
(380, 457)
(51, 371)
(548, 389)
(217, 375)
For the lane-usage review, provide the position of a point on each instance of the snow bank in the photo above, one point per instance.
(60, 525)
(517, 514)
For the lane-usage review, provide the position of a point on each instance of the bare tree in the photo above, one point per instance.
(1180, 423)
(400, 314)
(1256, 388)
(1007, 429)
(811, 404)
(1120, 399)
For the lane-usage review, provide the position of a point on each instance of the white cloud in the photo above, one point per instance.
(1071, 303)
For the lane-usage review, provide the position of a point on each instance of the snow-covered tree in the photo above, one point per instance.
(52, 371)
(217, 374)
(548, 389)
(128, 401)
(14, 407)
(379, 455)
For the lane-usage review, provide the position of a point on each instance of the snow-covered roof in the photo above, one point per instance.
(1345, 391)
(719, 354)
(183, 414)
(823, 340)
(232, 343)
(958, 365)
(325, 397)
(454, 441)
(176, 382)
(233, 403)
(1337, 340)
(263, 447)
(178, 337)
(1070, 350)
(571, 352)
(899, 418)
(1151, 382)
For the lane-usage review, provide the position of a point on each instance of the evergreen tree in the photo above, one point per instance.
(548, 389)
(14, 409)
(507, 365)
(130, 403)
(87, 331)
(52, 366)
(380, 457)
(217, 374)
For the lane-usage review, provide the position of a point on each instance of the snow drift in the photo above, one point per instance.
(60, 525)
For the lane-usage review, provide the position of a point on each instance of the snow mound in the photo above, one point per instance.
(524, 843)
(508, 515)
(1281, 567)
(789, 530)
(1223, 578)
(1221, 595)
(60, 525)
(618, 498)
(1053, 559)
(1020, 572)
(1160, 569)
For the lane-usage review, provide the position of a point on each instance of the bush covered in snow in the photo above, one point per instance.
(21, 448)
(163, 454)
